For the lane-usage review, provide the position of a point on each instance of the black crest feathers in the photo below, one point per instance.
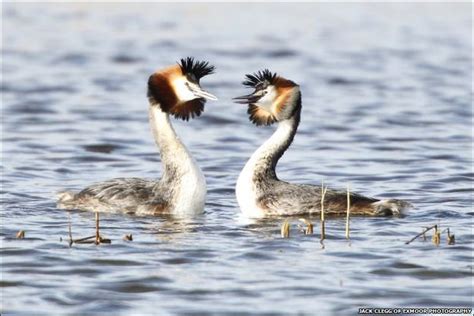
(197, 68)
(252, 80)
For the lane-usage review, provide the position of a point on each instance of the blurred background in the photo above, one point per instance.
(386, 108)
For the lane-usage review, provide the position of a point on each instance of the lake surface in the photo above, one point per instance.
(386, 108)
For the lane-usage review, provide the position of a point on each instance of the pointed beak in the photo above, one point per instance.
(246, 99)
(200, 93)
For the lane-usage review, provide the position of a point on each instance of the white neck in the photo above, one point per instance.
(262, 165)
(179, 168)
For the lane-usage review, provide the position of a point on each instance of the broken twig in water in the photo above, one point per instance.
(94, 239)
(309, 226)
(451, 238)
(84, 240)
(420, 234)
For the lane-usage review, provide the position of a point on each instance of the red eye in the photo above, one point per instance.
(191, 77)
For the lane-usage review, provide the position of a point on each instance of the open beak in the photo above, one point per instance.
(200, 93)
(247, 99)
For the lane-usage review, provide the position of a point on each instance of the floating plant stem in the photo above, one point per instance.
(420, 234)
(85, 240)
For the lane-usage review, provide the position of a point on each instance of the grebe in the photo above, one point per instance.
(259, 191)
(182, 189)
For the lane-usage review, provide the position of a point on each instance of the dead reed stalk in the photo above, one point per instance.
(451, 239)
(71, 241)
(97, 235)
(348, 211)
(285, 229)
(128, 237)
(436, 239)
(94, 239)
(85, 240)
(323, 228)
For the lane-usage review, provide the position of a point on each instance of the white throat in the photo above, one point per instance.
(182, 91)
(190, 191)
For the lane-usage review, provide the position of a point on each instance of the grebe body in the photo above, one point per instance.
(259, 191)
(182, 188)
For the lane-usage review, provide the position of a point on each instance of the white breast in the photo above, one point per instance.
(192, 191)
(246, 194)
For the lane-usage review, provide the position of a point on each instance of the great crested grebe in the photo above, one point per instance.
(259, 191)
(181, 190)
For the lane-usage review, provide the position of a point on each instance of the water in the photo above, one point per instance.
(386, 108)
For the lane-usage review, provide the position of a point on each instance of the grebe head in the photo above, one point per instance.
(274, 99)
(176, 89)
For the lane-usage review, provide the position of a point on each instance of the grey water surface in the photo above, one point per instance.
(386, 109)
